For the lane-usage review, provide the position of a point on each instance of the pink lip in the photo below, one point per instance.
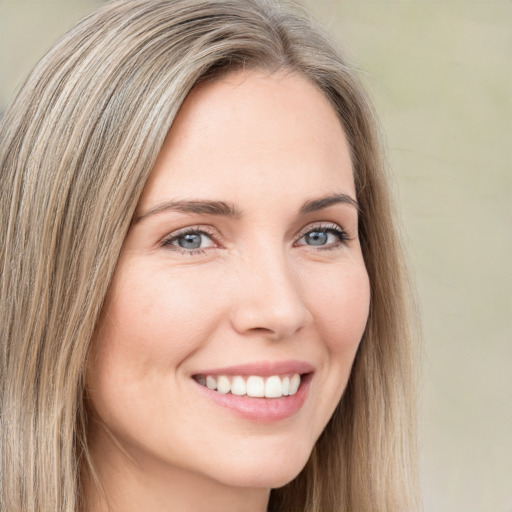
(262, 410)
(264, 369)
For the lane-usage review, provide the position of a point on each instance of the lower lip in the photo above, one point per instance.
(262, 410)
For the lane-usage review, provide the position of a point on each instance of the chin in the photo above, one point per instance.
(268, 480)
(269, 472)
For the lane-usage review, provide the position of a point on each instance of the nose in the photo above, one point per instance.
(269, 299)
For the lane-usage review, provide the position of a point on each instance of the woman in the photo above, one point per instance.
(202, 294)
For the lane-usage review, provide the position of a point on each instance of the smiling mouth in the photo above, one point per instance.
(273, 386)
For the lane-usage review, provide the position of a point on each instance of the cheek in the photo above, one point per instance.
(341, 307)
(151, 322)
(149, 326)
(148, 318)
(341, 311)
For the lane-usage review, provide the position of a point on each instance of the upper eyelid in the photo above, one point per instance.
(344, 238)
(213, 231)
(199, 228)
(217, 236)
(321, 225)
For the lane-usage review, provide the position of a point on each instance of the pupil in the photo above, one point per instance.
(317, 238)
(190, 241)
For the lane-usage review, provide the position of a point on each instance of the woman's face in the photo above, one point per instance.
(241, 274)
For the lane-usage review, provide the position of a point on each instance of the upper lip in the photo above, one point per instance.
(262, 368)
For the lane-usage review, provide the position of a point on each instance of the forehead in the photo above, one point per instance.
(253, 132)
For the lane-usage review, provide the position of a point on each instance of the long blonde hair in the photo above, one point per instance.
(76, 148)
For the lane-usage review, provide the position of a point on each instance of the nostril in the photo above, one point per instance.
(266, 318)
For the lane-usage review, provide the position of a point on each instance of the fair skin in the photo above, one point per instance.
(243, 260)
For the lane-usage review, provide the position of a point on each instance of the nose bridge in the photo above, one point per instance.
(269, 296)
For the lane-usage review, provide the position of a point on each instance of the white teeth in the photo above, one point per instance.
(286, 386)
(211, 383)
(274, 386)
(223, 385)
(255, 386)
(294, 384)
(238, 386)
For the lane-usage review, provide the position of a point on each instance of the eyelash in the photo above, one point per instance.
(331, 228)
(193, 230)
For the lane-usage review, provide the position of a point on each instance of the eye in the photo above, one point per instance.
(189, 241)
(324, 236)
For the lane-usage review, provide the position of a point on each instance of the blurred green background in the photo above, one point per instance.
(440, 73)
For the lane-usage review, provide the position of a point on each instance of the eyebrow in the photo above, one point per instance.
(194, 206)
(324, 202)
(223, 208)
